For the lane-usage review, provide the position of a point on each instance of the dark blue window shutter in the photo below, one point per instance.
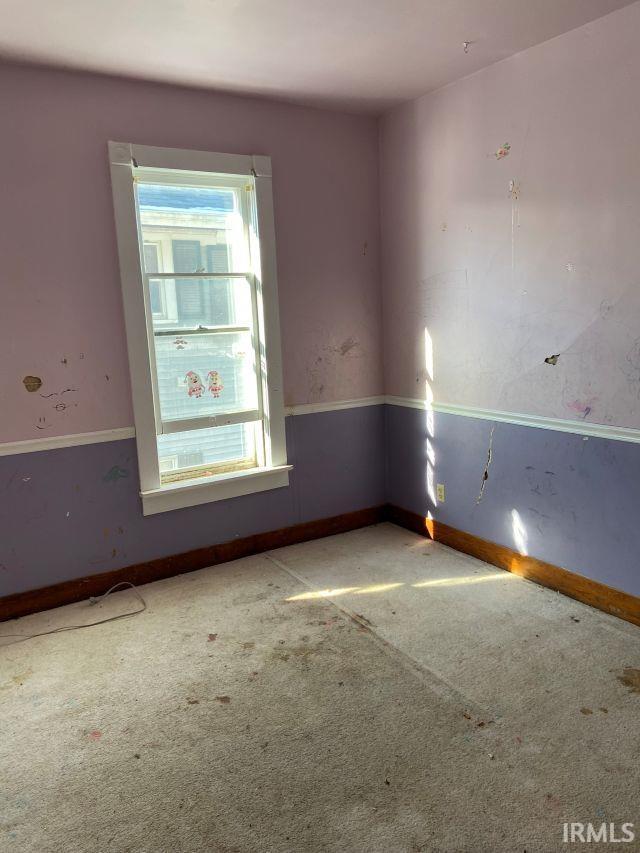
(151, 266)
(189, 292)
(221, 306)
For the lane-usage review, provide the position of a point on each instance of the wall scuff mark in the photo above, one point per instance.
(503, 151)
(347, 346)
(582, 407)
(114, 474)
(485, 475)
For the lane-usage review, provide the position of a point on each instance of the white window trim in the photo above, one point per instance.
(123, 157)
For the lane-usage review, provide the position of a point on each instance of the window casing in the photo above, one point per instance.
(197, 261)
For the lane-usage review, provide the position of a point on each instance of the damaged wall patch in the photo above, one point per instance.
(32, 383)
(485, 475)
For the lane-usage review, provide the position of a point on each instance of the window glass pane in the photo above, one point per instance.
(203, 302)
(151, 257)
(220, 447)
(201, 227)
(200, 375)
(155, 290)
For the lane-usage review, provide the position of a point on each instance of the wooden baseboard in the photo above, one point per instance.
(407, 519)
(602, 597)
(32, 601)
(598, 595)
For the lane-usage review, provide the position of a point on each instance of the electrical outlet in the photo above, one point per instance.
(440, 492)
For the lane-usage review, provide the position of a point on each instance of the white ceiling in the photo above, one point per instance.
(356, 54)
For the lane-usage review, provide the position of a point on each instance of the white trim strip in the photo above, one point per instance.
(54, 442)
(597, 430)
(406, 402)
(313, 408)
(613, 433)
(12, 448)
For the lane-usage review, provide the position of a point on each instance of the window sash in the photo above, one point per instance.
(169, 332)
(228, 416)
(179, 275)
(238, 416)
(194, 473)
(240, 183)
(129, 161)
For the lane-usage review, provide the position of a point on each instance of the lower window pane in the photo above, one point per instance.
(204, 452)
(205, 374)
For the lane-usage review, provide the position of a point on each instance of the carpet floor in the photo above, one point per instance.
(372, 691)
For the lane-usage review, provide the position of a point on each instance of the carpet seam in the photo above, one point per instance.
(436, 683)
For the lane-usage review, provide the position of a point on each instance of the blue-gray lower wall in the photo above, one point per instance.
(560, 497)
(76, 511)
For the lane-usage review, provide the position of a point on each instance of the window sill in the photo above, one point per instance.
(218, 488)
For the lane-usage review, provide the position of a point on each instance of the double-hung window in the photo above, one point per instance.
(197, 261)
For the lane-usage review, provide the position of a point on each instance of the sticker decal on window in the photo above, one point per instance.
(194, 384)
(215, 383)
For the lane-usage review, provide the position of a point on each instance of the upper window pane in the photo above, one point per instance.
(200, 229)
(201, 303)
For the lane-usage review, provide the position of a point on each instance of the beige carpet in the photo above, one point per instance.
(423, 702)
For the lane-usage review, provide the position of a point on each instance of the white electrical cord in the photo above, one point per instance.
(92, 601)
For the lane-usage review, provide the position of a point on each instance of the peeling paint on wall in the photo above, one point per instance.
(32, 383)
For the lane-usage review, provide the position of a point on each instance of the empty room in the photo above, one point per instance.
(319, 426)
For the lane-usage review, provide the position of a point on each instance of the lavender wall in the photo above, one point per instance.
(461, 289)
(563, 498)
(492, 281)
(76, 511)
(479, 286)
(62, 513)
(61, 306)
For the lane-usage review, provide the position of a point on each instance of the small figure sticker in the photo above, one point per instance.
(214, 382)
(503, 151)
(195, 387)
